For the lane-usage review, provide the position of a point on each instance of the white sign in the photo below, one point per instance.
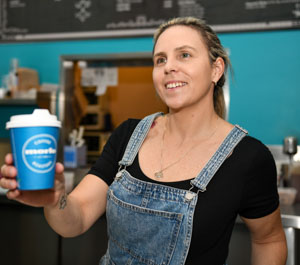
(100, 77)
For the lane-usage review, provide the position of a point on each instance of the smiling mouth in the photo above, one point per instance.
(175, 84)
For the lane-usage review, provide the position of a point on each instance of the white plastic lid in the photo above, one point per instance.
(39, 117)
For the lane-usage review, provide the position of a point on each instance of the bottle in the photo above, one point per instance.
(13, 76)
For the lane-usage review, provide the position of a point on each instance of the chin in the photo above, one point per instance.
(175, 108)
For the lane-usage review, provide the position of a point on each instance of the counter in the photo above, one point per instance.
(24, 224)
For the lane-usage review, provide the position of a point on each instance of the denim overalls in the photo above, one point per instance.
(149, 223)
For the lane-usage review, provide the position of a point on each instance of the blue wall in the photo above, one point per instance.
(264, 92)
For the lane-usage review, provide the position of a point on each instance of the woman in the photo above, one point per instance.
(172, 185)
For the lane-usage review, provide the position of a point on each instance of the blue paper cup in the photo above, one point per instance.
(34, 145)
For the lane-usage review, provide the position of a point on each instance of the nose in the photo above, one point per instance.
(170, 66)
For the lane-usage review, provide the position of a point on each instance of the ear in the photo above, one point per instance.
(218, 69)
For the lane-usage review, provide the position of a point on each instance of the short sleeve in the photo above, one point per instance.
(260, 195)
(106, 165)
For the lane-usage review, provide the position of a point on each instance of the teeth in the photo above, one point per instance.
(177, 84)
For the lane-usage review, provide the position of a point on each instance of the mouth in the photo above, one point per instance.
(171, 85)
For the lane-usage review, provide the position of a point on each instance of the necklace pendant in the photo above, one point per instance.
(159, 174)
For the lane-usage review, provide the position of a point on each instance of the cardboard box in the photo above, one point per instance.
(27, 79)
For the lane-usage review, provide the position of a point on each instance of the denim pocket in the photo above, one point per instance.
(147, 235)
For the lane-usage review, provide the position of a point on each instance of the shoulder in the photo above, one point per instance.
(252, 157)
(259, 160)
(252, 147)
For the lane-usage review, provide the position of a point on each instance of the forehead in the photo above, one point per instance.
(179, 35)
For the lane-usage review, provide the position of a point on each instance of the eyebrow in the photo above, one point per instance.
(185, 47)
(158, 54)
(176, 49)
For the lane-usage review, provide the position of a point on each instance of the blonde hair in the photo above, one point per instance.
(215, 50)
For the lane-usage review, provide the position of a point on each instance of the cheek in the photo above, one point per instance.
(156, 82)
(203, 75)
(156, 78)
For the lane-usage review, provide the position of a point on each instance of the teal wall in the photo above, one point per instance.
(264, 91)
(8, 111)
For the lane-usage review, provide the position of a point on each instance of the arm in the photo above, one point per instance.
(85, 204)
(268, 239)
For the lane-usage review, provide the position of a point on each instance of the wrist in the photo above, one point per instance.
(62, 203)
(58, 203)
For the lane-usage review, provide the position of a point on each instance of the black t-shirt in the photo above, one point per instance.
(244, 185)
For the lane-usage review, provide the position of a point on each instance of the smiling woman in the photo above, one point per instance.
(172, 185)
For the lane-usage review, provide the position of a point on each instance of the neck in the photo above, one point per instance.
(187, 124)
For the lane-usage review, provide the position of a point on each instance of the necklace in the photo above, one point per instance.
(159, 174)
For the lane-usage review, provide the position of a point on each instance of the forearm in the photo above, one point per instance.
(273, 253)
(68, 221)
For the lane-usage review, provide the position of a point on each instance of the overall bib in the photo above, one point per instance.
(149, 223)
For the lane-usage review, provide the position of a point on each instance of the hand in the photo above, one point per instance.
(37, 198)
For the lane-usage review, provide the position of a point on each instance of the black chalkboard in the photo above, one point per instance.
(22, 20)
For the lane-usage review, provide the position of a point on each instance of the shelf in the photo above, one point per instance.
(18, 101)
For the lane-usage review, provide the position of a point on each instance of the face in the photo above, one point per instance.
(183, 74)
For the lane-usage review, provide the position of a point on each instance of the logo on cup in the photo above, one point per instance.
(39, 153)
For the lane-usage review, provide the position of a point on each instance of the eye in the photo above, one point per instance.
(160, 60)
(185, 55)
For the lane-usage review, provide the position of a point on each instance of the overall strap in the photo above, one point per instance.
(225, 149)
(138, 136)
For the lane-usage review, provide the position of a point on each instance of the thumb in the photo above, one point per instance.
(59, 169)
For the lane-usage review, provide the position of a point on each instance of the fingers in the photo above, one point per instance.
(8, 174)
(59, 183)
(59, 168)
(9, 184)
(8, 159)
(59, 176)
(8, 171)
